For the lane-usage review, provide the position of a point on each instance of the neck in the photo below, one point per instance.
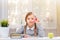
(30, 26)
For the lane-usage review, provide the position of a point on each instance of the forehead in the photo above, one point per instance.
(31, 16)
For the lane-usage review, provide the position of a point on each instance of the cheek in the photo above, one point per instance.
(27, 21)
(33, 21)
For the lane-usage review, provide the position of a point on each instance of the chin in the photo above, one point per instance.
(31, 24)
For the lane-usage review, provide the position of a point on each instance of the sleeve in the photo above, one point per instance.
(40, 31)
(20, 30)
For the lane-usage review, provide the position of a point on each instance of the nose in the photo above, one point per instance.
(30, 20)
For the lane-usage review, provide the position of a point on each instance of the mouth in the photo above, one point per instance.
(31, 22)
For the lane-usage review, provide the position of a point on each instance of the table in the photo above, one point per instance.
(32, 38)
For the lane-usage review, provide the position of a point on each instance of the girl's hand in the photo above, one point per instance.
(36, 20)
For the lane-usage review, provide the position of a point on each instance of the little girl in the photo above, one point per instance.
(32, 28)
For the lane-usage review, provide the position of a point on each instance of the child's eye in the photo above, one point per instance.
(28, 18)
(32, 18)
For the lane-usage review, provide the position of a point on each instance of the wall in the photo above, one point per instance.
(43, 9)
(58, 17)
(3, 9)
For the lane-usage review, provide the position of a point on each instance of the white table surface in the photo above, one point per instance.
(32, 38)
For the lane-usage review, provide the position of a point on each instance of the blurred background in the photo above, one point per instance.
(48, 12)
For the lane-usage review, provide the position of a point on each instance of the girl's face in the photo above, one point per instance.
(31, 20)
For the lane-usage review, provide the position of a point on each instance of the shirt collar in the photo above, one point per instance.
(30, 28)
